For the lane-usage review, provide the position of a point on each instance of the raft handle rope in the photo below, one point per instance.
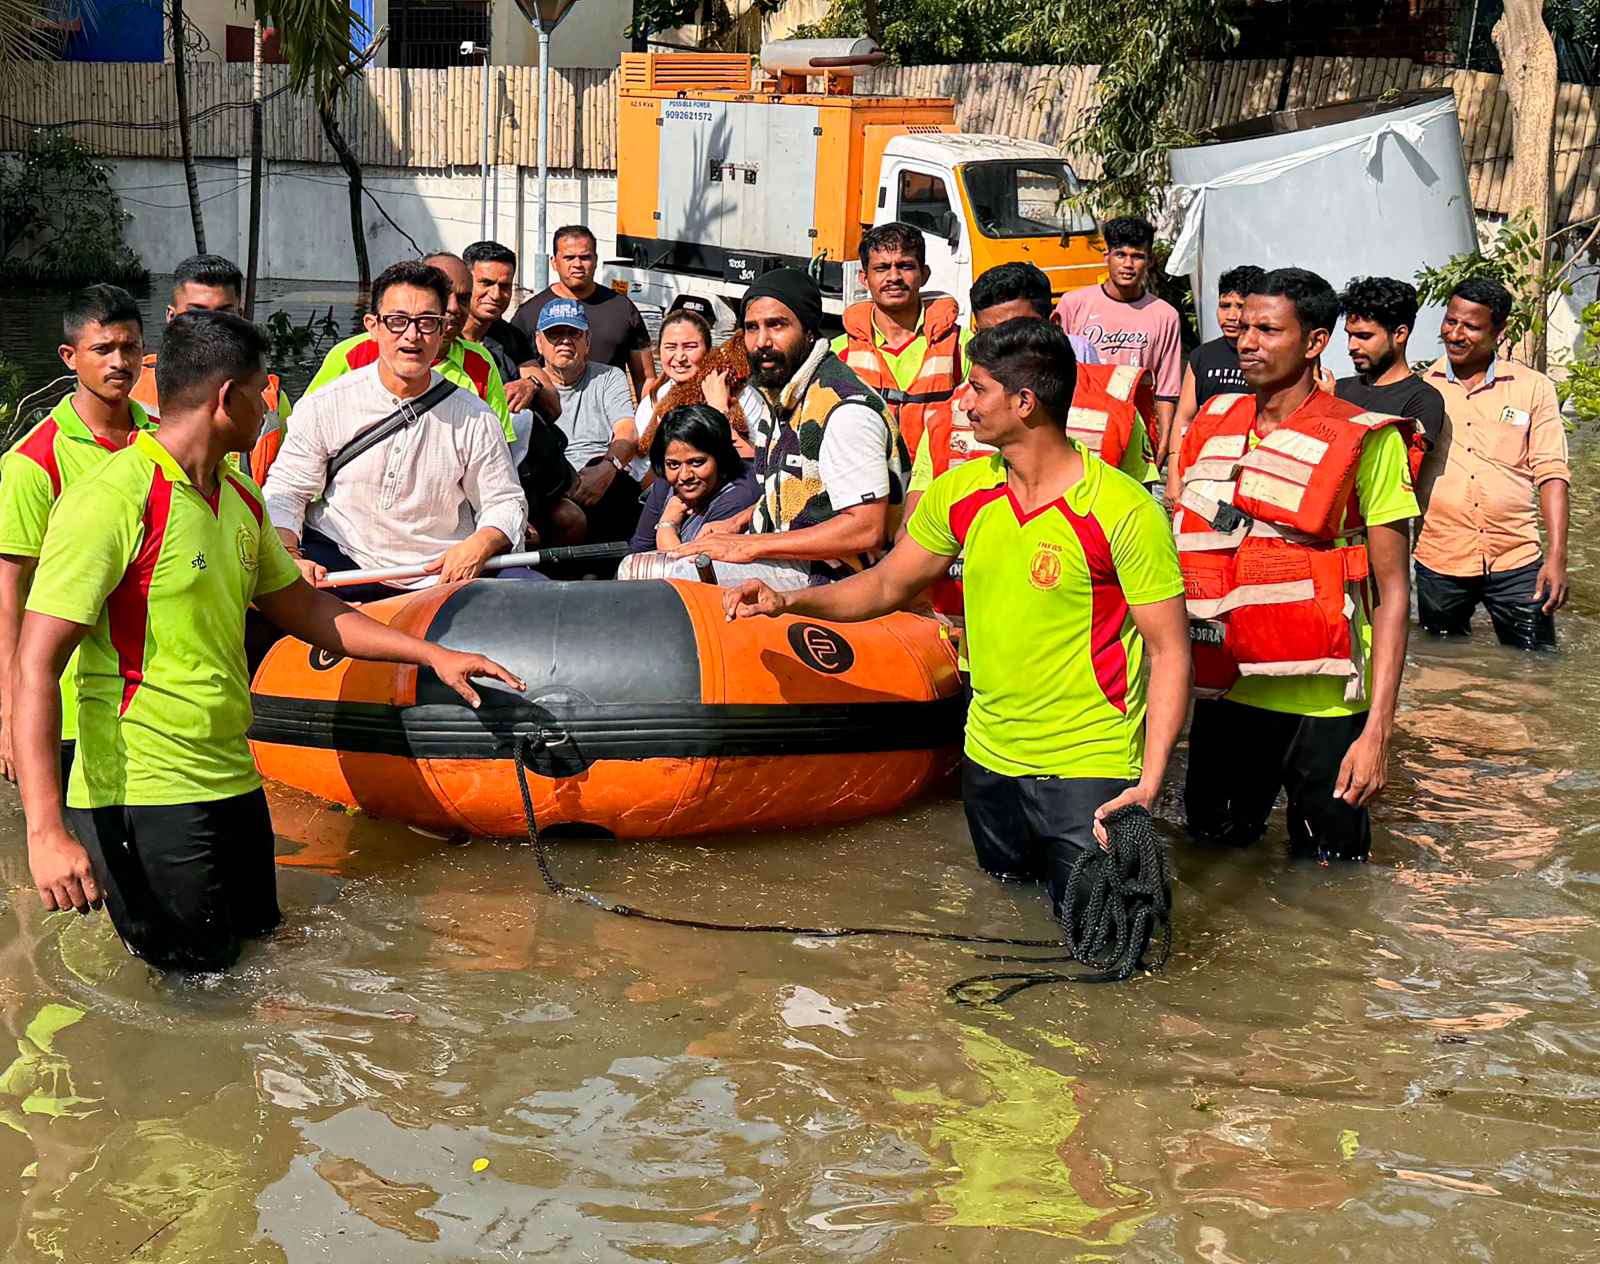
(1116, 903)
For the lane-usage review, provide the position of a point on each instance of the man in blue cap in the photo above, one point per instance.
(597, 418)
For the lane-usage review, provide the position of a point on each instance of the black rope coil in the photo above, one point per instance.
(1116, 902)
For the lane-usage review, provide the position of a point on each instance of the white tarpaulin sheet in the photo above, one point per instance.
(1382, 195)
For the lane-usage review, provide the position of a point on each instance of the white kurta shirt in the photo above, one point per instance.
(408, 499)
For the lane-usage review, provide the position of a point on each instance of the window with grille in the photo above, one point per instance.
(427, 34)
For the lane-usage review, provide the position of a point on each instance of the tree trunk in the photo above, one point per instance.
(1531, 80)
(352, 171)
(256, 137)
(180, 83)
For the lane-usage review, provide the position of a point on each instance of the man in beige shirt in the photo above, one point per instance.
(1503, 440)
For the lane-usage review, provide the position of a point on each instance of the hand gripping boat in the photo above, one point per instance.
(647, 714)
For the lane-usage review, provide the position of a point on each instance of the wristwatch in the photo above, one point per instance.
(612, 457)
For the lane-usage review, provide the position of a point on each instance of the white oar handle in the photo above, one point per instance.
(533, 557)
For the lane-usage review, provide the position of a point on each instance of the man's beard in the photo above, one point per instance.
(1380, 365)
(775, 375)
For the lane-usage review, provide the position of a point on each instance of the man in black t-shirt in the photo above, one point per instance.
(1379, 315)
(494, 270)
(1213, 367)
(617, 333)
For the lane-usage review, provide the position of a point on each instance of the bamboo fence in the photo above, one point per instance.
(430, 118)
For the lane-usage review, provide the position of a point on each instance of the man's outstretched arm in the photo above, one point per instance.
(890, 585)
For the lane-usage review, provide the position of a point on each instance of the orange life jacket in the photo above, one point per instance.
(1271, 590)
(924, 407)
(1105, 403)
(272, 425)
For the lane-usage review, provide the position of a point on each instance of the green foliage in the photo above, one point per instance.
(650, 16)
(301, 344)
(1515, 259)
(1144, 49)
(1579, 391)
(1144, 53)
(319, 39)
(60, 220)
(12, 383)
(925, 32)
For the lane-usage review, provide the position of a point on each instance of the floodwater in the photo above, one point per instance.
(435, 1060)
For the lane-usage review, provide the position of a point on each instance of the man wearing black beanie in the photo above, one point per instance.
(832, 468)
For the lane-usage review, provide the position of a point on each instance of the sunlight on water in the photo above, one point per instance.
(435, 1060)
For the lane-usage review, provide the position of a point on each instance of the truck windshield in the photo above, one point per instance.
(1032, 198)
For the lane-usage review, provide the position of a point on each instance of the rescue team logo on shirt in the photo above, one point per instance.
(1045, 572)
(821, 649)
(246, 544)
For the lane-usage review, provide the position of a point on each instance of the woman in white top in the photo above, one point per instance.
(684, 347)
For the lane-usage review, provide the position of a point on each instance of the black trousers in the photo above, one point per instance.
(1033, 828)
(616, 514)
(1445, 604)
(187, 883)
(1241, 757)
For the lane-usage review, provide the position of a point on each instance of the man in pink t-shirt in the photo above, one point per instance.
(1126, 323)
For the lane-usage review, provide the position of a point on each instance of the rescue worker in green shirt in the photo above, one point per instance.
(102, 344)
(468, 364)
(149, 566)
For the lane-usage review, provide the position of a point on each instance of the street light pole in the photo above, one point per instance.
(543, 245)
(468, 49)
(546, 15)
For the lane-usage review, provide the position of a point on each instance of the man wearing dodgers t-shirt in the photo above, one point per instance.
(1126, 323)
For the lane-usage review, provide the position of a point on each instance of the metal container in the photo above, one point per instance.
(1375, 187)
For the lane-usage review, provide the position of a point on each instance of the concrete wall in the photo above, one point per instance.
(305, 225)
(305, 216)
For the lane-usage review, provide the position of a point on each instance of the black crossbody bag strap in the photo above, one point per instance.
(409, 411)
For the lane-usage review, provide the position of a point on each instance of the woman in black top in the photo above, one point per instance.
(701, 478)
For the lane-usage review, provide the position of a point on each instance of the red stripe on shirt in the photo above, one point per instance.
(362, 354)
(966, 510)
(251, 503)
(128, 607)
(40, 448)
(1109, 609)
(478, 370)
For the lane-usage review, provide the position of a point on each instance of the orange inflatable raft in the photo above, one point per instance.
(646, 714)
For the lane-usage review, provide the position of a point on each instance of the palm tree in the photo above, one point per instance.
(177, 33)
(323, 43)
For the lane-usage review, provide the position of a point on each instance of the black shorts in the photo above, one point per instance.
(1445, 604)
(1033, 828)
(185, 884)
(1240, 758)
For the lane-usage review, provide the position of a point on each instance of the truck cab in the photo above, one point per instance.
(982, 200)
(724, 174)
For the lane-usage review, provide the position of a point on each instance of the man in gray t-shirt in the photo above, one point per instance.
(597, 417)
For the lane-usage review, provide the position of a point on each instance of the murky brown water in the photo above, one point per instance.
(434, 1060)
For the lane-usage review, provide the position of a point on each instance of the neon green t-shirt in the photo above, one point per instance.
(1384, 495)
(161, 575)
(51, 457)
(1058, 679)
(468, 364)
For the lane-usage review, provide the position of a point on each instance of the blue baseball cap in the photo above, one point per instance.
(563, 313)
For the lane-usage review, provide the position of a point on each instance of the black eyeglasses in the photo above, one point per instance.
(397, 322)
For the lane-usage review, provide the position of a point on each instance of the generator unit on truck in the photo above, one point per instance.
(724, 173)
